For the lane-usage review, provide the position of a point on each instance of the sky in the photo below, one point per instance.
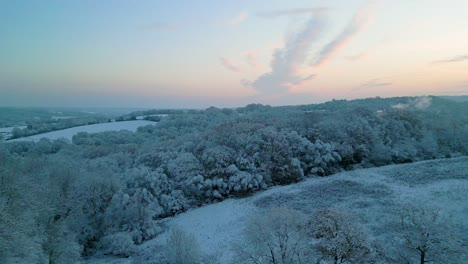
(195, 54)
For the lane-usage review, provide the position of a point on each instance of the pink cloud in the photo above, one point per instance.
(294, 86)
(229, 65)
(287, 71)
(374, 83)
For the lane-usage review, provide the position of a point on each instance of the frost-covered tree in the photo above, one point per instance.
(276, 236)
(117, 244)
(160, 189)
(146, 196)
(426, 234)
(123, 215)
(244, 182)
(215, 160)
(93, 194)
(338, 239)
(36, 214)
(184, 166)
(60, 244)
(325, 158)
(18, 241)
(182, 247)
(133, 213)
(57, 215)
(274, 157)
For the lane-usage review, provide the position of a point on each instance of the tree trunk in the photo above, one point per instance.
(423, 256)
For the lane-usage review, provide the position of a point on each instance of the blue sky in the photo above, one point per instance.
(228, 53)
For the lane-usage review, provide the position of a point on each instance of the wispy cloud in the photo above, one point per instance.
(289, 12)
(360, 20)
(453, 59)
(358, 56)
(372, 84)
(229, 65)
(287, 71)
(241, 17)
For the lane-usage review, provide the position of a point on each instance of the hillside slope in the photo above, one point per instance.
(373, 196)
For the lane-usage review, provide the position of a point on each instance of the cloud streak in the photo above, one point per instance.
(241, 17)
(229, 65)
(360, 20)
(358, 56)
(454, 59)
(287, 71)
(372, 84)
(290, 12)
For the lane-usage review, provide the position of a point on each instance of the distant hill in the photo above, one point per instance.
(459, 98)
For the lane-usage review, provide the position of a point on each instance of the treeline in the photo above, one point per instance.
(106, 192)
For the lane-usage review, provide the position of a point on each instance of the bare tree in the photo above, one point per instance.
(277, 236)
(339, 240)
(182, 247)
(427, 233)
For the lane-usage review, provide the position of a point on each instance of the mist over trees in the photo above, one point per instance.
(105, 193)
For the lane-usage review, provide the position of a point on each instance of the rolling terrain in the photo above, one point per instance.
(373, 197)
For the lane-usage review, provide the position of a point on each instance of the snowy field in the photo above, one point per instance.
(373, 196)
(95, 128)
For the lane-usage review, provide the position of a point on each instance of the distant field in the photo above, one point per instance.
(95, 128)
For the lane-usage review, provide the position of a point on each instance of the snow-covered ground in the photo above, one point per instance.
(372, 195)
(95, 128)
